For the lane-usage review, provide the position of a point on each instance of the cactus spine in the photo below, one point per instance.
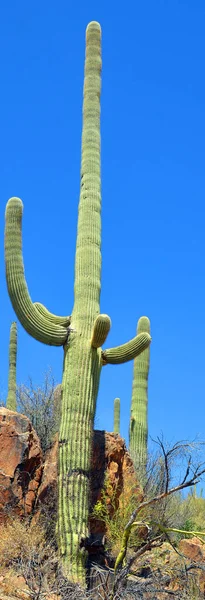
(117, 415)
(11, 397)
(82, 334)
(138, 419)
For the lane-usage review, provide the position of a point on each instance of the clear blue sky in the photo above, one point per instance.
(153, 188)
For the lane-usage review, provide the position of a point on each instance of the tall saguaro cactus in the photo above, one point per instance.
(11, 397)
(82, 334)
(138, 419)
(117, 415)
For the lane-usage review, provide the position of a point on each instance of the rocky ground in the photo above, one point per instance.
(28, 483)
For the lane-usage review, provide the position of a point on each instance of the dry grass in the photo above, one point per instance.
(19, 540)
(25, 552)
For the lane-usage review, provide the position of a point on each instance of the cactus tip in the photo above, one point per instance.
(143, 325)
(14, 203)
(93, 25)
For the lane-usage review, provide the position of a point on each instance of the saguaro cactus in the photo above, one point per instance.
(82, 334)
(11, 397)
(117, 415)
(138, 419)
(57, 405)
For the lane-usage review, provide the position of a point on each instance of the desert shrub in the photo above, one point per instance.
(115, 512)
(193, 511)
(187, 514)
(19, 541)
(25, 551)
(41, 404)
(163, 471)
(172, 511)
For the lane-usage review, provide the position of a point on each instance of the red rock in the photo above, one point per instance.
(25, 482)
(113, 469)
(20, 464)
(193, 549)
(49, 479)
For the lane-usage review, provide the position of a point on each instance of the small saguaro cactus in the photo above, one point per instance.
(82, 334)
(117, 415)
(138, 419)
(11, 397)
(57, 405)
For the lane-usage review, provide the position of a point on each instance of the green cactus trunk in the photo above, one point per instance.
(138, 421)
(80, 388)
(117, 415)
(82, 334)
(11, 397)
(82, 364)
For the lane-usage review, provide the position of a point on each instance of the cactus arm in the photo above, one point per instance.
(38, 326)
(117, 415)
(100, 331)
(126, 352)
(64, 321)
(11, 397)
(138, 420)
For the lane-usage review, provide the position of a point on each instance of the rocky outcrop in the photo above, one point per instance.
(21, 464)
(112, 471)
(26, 482)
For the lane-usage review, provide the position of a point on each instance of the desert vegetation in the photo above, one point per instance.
(144, 529)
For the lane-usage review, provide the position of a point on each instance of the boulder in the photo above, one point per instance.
(193, 549)
(21, 464)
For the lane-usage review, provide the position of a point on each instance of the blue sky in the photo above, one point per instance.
(153, 188)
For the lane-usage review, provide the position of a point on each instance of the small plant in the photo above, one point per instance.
(114, 510)
(11, 397)
(116, 415)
